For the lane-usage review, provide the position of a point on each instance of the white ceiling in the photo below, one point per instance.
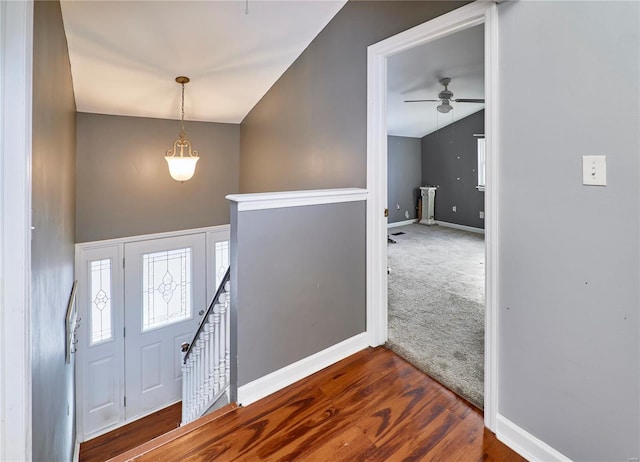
(414, 74)
(125, 55)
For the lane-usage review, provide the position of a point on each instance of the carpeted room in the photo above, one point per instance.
(436, 282)
(436, 305)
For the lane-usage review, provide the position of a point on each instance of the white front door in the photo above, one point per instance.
(164, 303)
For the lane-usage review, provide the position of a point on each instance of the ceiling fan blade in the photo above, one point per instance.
(467, 100)
(421, 100)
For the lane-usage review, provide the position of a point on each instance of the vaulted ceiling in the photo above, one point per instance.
(125, 55)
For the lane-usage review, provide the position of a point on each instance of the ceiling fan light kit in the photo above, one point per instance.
(444, 107)
(181, 166)
(446, 96)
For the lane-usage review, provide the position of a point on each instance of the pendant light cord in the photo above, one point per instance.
(182, 119)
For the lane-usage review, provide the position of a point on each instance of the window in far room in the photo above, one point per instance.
(481, 161)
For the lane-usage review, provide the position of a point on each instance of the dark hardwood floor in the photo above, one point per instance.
(131, 435)
(372, 406)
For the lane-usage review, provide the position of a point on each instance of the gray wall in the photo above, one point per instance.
(123, 182)
(52, 251)
(309, 131)
(450, 160)
(300, 279)
(404, 177)
(569, 254)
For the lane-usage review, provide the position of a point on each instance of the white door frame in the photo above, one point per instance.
(16, 56)
(479, 12)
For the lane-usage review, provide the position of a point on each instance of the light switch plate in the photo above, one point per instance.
(594, 170)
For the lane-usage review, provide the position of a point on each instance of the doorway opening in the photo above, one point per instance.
(481, 14)
(436, 305)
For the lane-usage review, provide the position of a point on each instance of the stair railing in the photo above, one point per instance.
(205, 366)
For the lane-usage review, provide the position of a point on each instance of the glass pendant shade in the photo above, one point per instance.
(181, 168)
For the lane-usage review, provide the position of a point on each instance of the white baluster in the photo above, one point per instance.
(228, 335)
(201, 377)
(212, 355)
(187, 404)
(198, 358)
(194, 384)
(204, 358)
(222, 372)
(209, 361)
(185, 379)
(216, 347)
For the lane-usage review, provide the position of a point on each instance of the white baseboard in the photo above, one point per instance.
(76, 451)
(281, 378)
(401, 223)
(525, 444)
(462, 227)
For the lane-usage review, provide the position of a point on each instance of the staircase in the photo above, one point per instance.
(206, 360)
(140, 451)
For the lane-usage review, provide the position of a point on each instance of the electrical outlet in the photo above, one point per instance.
(397, 206)
(454, 208)
(481, 214)
(406, 214)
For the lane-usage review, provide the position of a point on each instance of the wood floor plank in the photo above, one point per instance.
(407, 414)
(281, 421)
(348, 406)
(344, 447)
(361, 373)
(466, 443)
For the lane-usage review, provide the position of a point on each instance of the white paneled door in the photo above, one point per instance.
(138, 301)
(165, 301)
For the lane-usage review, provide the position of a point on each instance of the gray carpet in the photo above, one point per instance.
(436, 305)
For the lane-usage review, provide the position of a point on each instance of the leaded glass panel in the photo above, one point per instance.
(222, 260)
(100, 290)
(166, 286)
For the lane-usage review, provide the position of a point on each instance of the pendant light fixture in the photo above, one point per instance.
(182, 165)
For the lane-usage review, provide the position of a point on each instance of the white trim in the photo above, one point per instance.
(274, 200)
(402, 223)
(525, 444)
(491, 217)
(76, 451)
(472, 14)
(16, 63)
(471, 229)
(284, 377)
(148, 237)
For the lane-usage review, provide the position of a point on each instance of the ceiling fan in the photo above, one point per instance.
(446, 96)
